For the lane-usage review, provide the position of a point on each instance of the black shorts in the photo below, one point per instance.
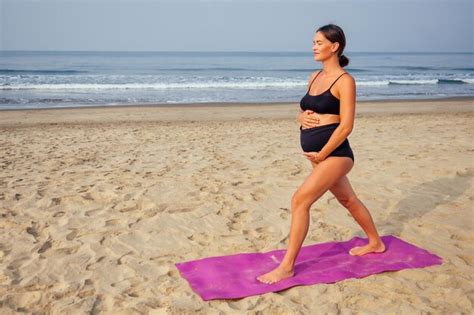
(314, 139)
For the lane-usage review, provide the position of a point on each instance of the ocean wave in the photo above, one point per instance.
(153, 86)
(246, 83)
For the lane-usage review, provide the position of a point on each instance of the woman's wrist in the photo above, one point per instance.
(319, 157)
(316, 158)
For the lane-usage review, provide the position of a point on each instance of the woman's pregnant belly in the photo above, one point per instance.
(314, 139)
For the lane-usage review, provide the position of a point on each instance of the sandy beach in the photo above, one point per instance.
(98, 204)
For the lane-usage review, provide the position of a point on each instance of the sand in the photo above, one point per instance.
(98, 204)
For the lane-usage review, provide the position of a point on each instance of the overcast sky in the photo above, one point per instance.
(234, 25)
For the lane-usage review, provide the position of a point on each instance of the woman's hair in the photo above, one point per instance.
(335, 34)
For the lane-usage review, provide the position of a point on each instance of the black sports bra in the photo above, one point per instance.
(324, 103)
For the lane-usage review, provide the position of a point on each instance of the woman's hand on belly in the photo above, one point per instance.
(310, 119)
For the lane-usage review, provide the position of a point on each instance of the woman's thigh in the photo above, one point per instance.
(323, 176)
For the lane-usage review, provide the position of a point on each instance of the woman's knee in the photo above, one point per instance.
(295, 199)
(299, 199)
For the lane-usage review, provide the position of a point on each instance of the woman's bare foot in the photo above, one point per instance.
(277, 274)
(369, 248)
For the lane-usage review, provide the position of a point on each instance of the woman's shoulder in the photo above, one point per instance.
(347, 77)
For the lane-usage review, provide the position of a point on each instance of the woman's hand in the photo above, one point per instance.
(314, 157)
(308, 119)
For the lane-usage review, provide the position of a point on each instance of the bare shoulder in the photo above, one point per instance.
(347, 81)
(345, 87)
(347, 77)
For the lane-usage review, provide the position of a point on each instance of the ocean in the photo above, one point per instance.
(47, 79)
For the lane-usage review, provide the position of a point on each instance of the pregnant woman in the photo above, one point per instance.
(330, 100)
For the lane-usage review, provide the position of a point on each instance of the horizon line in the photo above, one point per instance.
(234, 51)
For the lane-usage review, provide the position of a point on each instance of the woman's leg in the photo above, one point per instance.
(346, 196)
(322, 177)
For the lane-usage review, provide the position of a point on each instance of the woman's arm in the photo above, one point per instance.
(346, 113)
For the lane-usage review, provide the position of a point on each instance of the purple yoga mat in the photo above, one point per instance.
(234, 276)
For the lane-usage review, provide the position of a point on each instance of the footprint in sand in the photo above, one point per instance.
(92, 212)
(297, 171)
(87, 197)
(59, 214)
(258, 194)
(285, 213)
(55, 201)
(47, 245)
(180, 210)
(36, 229)
(238, 196)
(130, 225)
(201, 238)
(72, 235)
(126, 206)
(112, 222)
(459, 237)
(237, 220)
(32, 230)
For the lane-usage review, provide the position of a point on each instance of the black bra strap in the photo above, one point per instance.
(336, 80)
(331, 84)
(309, 88)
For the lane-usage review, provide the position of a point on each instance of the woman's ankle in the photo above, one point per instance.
(287, 266)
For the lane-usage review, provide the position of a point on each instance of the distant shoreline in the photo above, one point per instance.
(226, 104)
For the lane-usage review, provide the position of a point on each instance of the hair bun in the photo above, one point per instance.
(343, 60)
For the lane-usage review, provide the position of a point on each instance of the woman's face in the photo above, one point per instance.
(322, 47)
